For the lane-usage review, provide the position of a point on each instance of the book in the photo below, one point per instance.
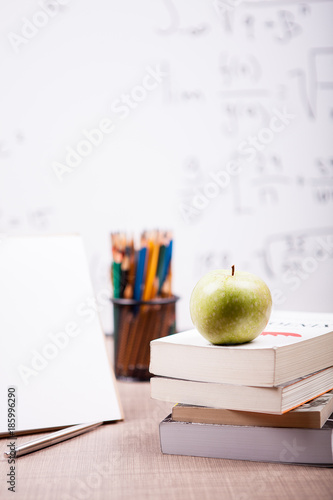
(311, 415)
(291, 346)
(278, 399)
(54, 367)
(263, 444)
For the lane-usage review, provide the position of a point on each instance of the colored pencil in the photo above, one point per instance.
(143, 273)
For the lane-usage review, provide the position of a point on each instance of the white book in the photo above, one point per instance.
(276, 400)
(293, 344)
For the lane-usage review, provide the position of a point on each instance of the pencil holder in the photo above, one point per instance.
(136, 323)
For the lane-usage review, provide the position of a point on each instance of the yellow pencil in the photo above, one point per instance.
(151, 271)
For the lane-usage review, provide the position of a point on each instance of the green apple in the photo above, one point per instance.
(230, 307)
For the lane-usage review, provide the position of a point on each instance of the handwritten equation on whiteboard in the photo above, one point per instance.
(37, 219)
(287, 258)
(274, 58)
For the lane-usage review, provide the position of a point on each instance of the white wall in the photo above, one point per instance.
(227, 68)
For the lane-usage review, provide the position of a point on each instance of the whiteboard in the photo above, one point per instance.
(212, 118)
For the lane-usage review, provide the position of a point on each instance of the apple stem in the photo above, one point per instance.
(232, 270)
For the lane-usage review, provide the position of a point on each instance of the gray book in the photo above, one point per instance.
(261, 444)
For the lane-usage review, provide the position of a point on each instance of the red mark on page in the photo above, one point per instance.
(285, 334)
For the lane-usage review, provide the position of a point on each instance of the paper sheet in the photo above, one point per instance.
(51, 343)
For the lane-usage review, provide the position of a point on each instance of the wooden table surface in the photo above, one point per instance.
(124, 461)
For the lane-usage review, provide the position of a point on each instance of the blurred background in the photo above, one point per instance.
(210, 118)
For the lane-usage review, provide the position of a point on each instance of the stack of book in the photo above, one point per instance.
(267, 400)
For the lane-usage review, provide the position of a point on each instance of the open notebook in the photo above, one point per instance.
(52, 347)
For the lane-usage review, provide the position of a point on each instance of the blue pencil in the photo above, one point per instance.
(167, 260)
(139, 274)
